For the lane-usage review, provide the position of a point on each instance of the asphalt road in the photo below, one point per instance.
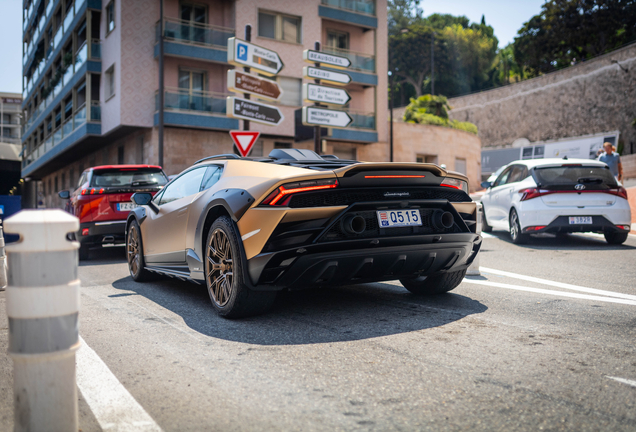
(503, 351)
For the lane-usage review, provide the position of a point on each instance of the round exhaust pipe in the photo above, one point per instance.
(442, 219)
(354, 224)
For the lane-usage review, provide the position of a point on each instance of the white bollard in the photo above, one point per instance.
(3, 263)
(473, 270)
(43, 306)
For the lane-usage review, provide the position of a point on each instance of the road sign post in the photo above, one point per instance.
(318, 115)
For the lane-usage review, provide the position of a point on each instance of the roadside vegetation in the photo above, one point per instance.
(433, 110)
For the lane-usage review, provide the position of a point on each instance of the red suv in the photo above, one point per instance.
(102, 201)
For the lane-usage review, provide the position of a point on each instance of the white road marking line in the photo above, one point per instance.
(550, 292)
(623, 380)
(557, 284)
(113, 406)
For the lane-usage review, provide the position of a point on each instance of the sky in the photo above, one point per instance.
(505, 16)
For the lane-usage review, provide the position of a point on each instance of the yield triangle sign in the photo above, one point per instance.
(244, 140)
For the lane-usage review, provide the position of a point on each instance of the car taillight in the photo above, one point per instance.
(624, 227)
(92, 191)
(280, 196)
(619, 192)
(529, 193)
(85, 231)
(455, 184)
(534, 228)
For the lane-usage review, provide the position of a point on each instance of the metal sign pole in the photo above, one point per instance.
(248, 38)
(317, 146)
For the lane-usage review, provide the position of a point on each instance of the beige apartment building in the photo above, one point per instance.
(10, 108)
(91, 80)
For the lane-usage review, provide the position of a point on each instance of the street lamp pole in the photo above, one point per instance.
(432, 64)
(391, 111)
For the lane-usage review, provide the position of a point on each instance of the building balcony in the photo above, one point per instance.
(206, 110)
(50, 52)
(10, 140)
(358, 12)
(359, 61)
(60, 88)
(83, 122)
(361, 130)
(194, 40)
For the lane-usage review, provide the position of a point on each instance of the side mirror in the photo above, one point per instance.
(64, 194)
(144, 198)
(485, 184)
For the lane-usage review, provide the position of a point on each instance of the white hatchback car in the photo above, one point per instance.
(557, 196)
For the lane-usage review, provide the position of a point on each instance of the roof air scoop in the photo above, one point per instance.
(294, 155)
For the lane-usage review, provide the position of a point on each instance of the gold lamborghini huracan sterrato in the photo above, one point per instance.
(250, 227)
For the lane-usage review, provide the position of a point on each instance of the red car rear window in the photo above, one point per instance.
(128, 177)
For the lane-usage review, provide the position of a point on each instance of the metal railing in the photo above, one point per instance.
(362, 120)
(195, 33)
(360, 6)
(96, 49)
(200, 101)
(10, 140)
(359, 61)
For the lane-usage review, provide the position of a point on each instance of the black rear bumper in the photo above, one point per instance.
(108, 232)
(360, 261)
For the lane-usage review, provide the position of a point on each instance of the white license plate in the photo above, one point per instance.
(581, 220)
(127, 206)
(399, 218)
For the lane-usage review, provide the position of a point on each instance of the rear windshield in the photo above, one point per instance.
(566, 177)
(128, 177)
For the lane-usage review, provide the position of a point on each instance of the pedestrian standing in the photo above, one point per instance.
(613, 161)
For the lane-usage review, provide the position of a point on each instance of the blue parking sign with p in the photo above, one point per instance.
(241, 52)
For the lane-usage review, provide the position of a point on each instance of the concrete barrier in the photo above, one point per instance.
(43, 308)
(3, 263)
(473, 270)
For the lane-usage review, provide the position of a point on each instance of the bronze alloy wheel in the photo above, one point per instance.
(132, 249)
(219, 267)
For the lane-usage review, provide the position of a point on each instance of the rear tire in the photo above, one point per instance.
(434, 284)
(515, 229)
(484, 223)
(135, 254)
(228, 292)
(615, 238)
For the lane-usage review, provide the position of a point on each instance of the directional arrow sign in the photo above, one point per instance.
(329, 77)
(242, 53)
(241, 82)
(244, 140)
(254, 111)
(313, 116)
(332, 60)
(327, 95)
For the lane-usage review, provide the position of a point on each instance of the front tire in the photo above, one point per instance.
(435, 284)
(615, 238)
(515, 229)
(135, 254)
(224, 274)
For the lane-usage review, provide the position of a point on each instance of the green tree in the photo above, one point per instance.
(433, 110)
(464, 55)
(569, 31)
(402, 14)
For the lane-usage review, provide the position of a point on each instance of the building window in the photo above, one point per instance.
(196, 15)
(120, 155)
(291, 90)
(110, 82)
(337, 39)
(110, 17)
(460, 165)
(192, 81)
(278, 26)
(426, 159)
(282, 145)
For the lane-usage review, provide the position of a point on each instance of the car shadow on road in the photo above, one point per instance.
(105, 256)
(311, 316)
(566, 241)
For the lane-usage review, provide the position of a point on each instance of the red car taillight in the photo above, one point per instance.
(527, 194)
(92, 191)
(455, 184)
(280, 196)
